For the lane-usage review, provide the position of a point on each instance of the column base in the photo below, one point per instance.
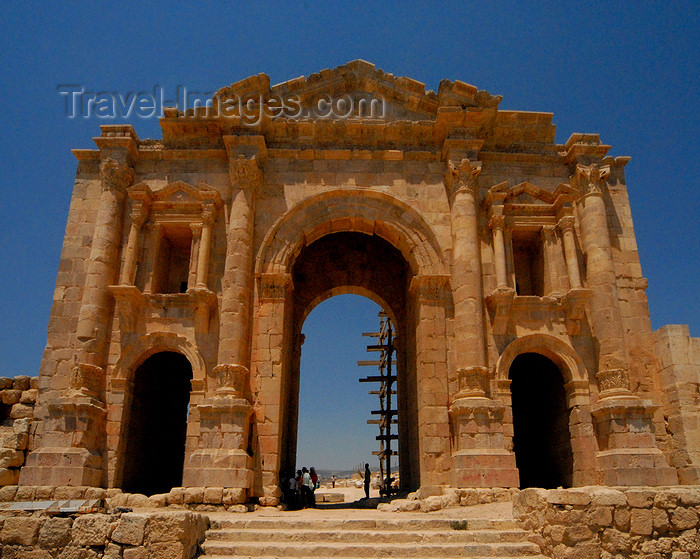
(635, 466)
(62, 466)
(485, 468)
(218, 467)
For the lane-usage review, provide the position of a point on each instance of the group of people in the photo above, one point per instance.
(298, 490)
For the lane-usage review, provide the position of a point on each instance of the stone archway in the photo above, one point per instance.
(541, 435)
(349, 225)
(154, 452)
(121, 390)
(565, 378)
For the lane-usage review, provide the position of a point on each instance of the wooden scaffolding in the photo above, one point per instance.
(387, 415)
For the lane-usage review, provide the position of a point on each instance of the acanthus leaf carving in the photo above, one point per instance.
(588, 179)
(245, 173)
(116, 176)
(463, 175)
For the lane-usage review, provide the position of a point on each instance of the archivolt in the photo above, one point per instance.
(364, 211)
(155, 343)
(562, 354)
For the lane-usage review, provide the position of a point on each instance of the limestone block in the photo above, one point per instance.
(92, 529)
(130, 529)
(7, 493)
(21, 382)
(68, 492)
(21, 426)
(56, 532)
(21, 530)
(5, 383)
(233, 496)
(213, 495)
(19, 411)
(168, 550)
(684, 519)
(170, 526)
(159, 500)
(137, 500)
(640, 498)
(136, 553)
(8, 476)
(77, 552)
(29, 396)
(660, 520)
(112, 551)
(10, 397)
(607, 497)
(194, 495)
(11, 458)
(641, 522)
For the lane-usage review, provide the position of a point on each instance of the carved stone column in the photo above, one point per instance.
(497, 224)
(208, 218)
(139, 214)
(463, 189)
(566, 226)
(624, 423)
(103, 262)
(237, 284)
(606, 322)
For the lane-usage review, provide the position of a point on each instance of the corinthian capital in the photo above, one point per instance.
(588, 178)
(245, 173)
(462, 176)
(115, 176)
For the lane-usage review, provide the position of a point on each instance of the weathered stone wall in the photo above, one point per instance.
(163, 535)
(600, 522)
(17, 399)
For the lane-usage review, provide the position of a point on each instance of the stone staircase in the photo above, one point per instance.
(396, 537)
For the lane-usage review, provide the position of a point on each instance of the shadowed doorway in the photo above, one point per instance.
(155, 445)
(541, 441)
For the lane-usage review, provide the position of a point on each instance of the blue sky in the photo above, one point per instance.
(628, 71)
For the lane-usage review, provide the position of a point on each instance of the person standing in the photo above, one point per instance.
(307, 492)
(368, 479)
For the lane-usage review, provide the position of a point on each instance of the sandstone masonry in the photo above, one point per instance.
(507, 262)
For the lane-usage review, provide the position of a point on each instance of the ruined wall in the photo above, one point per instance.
(166, 535)
(17, 399)
(615, 523)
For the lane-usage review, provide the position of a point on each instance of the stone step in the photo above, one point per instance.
(296, 550)
(368, 536)
(363, 557)
(289, 524)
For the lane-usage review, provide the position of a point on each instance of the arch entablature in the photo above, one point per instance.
(560, 353)
(350, 210)
(153, 343)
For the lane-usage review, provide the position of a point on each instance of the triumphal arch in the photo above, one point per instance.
(506, 261)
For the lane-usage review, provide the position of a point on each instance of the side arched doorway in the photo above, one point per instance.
(155, 437)
(541, 440)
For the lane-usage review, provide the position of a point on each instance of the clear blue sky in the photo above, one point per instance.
(627, 70)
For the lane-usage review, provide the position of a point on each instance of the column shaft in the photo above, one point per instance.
(567, 228)
(203, 256)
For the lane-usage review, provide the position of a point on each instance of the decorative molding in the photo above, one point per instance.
(462, 176)
(588, 179)
(473, 382)
(245, 173)
(116, 177)
(499, 304)
(231, 379)
(87, 380)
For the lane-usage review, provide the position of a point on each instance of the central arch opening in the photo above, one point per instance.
(155, 443)
(350, 263)
(541, 439)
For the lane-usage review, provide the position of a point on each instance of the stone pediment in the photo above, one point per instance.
(176, 193)
(526, 193)
(359, 90)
